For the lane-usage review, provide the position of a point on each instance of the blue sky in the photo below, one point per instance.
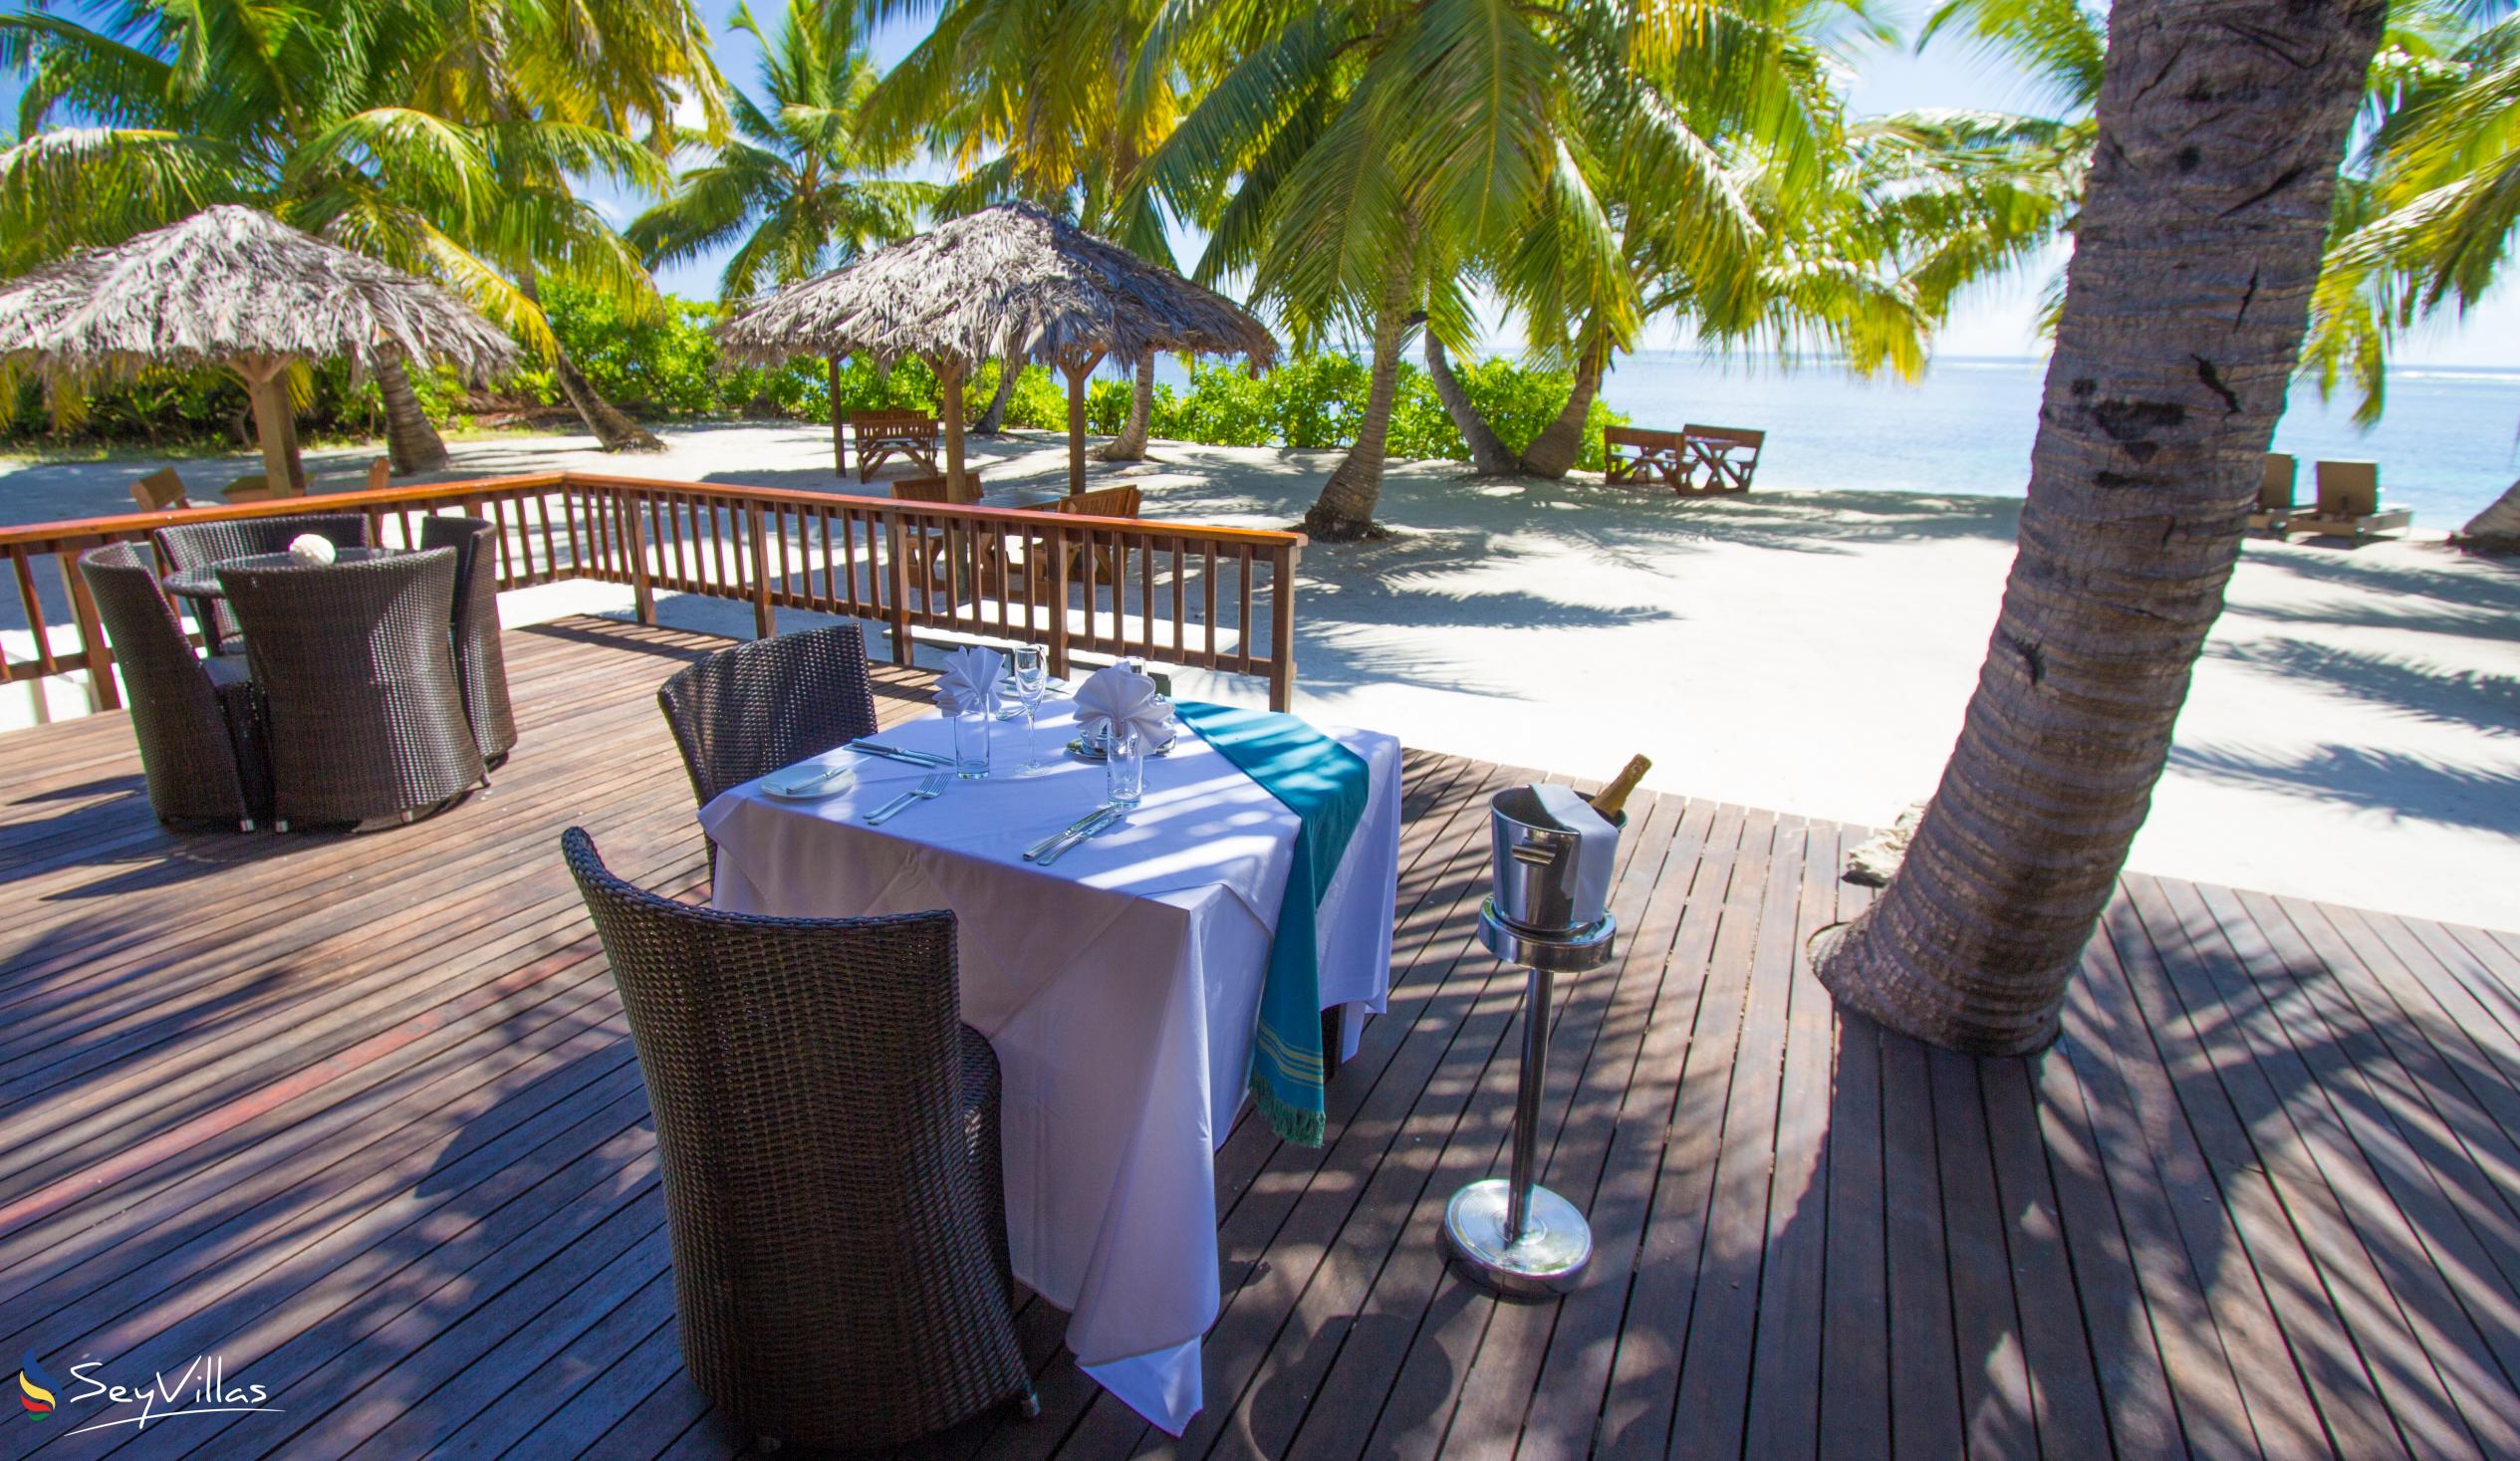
(1995, 320)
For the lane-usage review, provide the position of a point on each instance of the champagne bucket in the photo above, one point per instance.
(1539, 871)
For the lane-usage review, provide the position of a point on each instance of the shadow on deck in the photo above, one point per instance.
(360, 1116)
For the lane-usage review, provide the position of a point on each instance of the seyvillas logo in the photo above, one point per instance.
(201, 1387)
(35, 1388)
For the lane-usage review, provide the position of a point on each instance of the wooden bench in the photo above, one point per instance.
(884, 434)
(1727, 457)
(1650, 455)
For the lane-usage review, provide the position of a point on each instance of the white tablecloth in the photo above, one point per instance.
(1120, 988)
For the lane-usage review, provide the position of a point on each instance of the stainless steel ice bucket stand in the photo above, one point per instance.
(1513, 1235)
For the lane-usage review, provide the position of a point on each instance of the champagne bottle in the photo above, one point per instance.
(1611, 799)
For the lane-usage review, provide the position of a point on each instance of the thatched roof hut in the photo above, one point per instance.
(1007, 281)
(234, 287)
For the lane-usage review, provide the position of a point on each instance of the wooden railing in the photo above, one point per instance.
(1180, 594)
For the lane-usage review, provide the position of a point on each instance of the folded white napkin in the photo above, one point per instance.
(969, 683)
(1116, 696)
(311, 547)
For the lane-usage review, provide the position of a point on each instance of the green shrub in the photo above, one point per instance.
(666, 365)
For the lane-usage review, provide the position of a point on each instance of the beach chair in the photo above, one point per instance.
(1728, 455)
(1102, 502)
(159, 491)
(2276, 502)
(1633, 455)
(927, 546)
(2349, 503)
(379, 475)
(253, 488)
(882, 435)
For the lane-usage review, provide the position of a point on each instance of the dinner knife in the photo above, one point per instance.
(1071, 829)
(895, 753)
(1093, 829)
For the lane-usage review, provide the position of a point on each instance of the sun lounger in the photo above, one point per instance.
(252, 488)
(160, 490)
(2276, 502)
(2349, 503)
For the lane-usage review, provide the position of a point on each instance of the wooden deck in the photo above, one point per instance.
(360, 1116)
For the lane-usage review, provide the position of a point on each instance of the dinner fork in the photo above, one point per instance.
(926, 791)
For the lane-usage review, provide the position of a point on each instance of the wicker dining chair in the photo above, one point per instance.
(193, 718)
(481, 664)
(191, 546)
(749, 710)
(355, 686)
(828, 1130)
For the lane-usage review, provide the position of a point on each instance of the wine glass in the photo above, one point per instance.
(1032, 681)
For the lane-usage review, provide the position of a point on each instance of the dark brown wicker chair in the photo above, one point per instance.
(747, 711)
(827, 1128)
(194, 719)
(480, 664)
(355, 682)
(191, 546)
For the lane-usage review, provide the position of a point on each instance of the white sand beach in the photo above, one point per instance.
(2354, 734)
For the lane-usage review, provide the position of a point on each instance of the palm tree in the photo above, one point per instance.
(1033, 99)
(1368, 162)
(793, 178)
(2220, 128)
(435, 136)
(2427, 217)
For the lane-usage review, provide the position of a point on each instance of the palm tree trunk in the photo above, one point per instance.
(1489, 456)
(993, 420)
(1552, 453)
(612, 430)
(1130, 444)
(1344, 510)
(411, 441)
(2221, 127)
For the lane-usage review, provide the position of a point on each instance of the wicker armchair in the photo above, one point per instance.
(194, 719)
(827, 1128)
(481, 664)
(191, 546)
(747, 711)
(354, 680)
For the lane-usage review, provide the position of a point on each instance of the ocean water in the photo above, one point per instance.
(2448, 445)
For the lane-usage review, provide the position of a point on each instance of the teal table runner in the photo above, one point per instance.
(1325, 785)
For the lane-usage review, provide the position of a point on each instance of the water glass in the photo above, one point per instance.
(1032, 681)
(972, 728)
(1124, 769)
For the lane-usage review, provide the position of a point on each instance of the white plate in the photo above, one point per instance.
(809, 782)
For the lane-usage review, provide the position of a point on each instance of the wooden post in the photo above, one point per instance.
(267, 386)
(949, 373)
(83, 611)
(765, 618)
(1055, 538)
(1282, 630)
(897, 586)
(1078, 368)
(840, 444)
(634, 538)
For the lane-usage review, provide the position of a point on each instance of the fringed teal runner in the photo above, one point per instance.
(1324, 784)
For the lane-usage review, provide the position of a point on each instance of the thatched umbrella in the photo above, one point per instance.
(234, 287)
(1009, 282)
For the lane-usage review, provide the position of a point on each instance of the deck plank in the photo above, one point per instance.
(361, 1116)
